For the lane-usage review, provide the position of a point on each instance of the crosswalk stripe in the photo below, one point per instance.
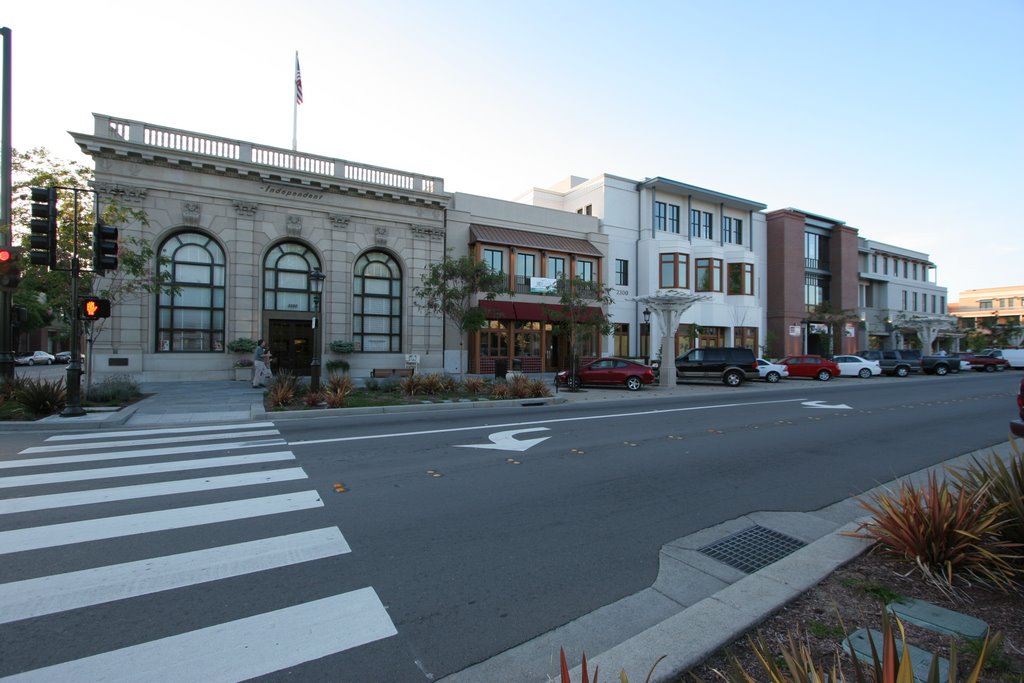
(62, 592)
(163, 488)
(161, 520)
(141, 453)
(154, 432)
(238, 650)
(147, 442)
(135, 470)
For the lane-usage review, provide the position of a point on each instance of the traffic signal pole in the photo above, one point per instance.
(6, 235)
(73, 401)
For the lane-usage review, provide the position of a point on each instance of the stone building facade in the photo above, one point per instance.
(243, 226)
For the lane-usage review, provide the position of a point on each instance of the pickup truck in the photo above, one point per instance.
(902, 362)
(986, 363)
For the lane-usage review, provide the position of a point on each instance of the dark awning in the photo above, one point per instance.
(531, 240)
(498, 310)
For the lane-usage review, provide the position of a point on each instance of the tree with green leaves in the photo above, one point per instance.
(453, 288)
(581, 315)
(46, 293)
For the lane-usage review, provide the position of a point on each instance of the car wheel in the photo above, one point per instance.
(864, 372)
(941, 370)
(902, 371)
(772, 377)
(573, 383)
(732, 378)
(633, 383)
(824, 375)
(990, 368)
(31, 362)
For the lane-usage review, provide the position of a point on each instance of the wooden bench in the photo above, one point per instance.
(379, 373)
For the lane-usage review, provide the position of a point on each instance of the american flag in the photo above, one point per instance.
(298, 81)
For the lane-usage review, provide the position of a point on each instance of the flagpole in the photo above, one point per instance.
(295, 104)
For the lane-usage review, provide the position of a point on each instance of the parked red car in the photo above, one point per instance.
(816, 367)
(617, 371)
(1017, 426)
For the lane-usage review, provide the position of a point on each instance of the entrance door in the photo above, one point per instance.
(291, 346)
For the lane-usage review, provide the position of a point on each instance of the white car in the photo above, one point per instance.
(771, 372)
(855, 366)
(35, 358)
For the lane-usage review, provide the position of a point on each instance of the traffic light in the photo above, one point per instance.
(10, 268)
(93, 308)
(104, 247)
(44, 227)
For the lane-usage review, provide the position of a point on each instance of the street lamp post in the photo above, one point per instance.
(316, 287)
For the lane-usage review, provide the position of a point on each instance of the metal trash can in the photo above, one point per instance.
(517, 364)
(500, 368)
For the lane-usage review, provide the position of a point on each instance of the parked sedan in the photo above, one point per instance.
(65, 357)
(811, 366)
(855, 366)
(35, 358)
(771, 372)
(613, 371)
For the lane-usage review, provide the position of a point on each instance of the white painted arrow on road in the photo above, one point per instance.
(822, 404)
(506, 441)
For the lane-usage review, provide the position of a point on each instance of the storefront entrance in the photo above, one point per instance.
(291, 345)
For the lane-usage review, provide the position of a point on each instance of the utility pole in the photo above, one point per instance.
(6, 231)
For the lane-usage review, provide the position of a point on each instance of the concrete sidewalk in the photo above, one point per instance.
(215, 402)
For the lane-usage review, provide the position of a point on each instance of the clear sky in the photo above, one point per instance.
(902, 118)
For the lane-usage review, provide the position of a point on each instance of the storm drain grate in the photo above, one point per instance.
(753, 548)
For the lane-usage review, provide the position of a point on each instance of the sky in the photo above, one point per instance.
(903, 119)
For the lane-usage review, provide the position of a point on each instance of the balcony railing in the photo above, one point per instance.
(816, 264)
(200, 144)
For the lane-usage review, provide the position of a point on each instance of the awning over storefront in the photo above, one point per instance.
(498, 310)
(531, 240)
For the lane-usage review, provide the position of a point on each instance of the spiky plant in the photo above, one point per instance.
(944, 531)
(475, 385)
(283, 389)
(1002, 484)
(40, 396)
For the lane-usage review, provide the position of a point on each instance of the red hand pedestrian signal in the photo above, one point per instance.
(93, 308)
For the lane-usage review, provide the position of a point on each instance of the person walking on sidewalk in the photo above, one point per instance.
(260, 369)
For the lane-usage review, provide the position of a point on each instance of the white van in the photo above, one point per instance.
(1014, 356)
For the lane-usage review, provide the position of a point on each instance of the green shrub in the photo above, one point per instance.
(242, 345)
(336, 364)
(41, 397)
(114, 389)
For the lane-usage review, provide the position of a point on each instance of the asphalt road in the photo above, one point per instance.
(454, 552)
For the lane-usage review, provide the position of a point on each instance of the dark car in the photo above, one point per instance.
(815, 367)
(613, 371)
(730, 365)
(65, 357)
(1017, 426)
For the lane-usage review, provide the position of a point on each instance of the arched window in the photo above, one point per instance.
(193, 318)
(377, 303)
(286, 277)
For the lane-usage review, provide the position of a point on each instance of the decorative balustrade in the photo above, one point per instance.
(137, 132)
